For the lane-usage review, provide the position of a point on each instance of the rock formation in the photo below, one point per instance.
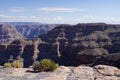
(31, 31)
(28, 30)
(72, 45)
(9, 34)
(98, 72)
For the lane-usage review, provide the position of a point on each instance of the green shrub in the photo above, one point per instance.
(45, 65)
(17, 64)
(7, 65)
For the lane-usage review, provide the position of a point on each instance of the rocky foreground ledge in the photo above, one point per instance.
(99, 72)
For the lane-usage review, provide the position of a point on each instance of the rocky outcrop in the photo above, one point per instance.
(106, 70)
(98, 72)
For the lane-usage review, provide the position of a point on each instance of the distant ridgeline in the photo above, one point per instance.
(72, 45)
(10, 31)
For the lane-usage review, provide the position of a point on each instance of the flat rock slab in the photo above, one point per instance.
(99, 72)
(106, 70)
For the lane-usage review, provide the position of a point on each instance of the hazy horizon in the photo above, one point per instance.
(60, 11)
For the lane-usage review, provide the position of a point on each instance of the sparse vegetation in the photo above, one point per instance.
(7, 65)
(17, 64)
(45, 65)
(14, 64)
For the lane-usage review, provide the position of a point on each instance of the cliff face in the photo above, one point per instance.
(30, 51)
(84, 32)
(85, 43)
(69, 45)
(31, 31)
(17, 30)
(9, 34)
(86, 36)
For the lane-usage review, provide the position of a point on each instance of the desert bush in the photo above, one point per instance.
(17, 64)
(35, 65)
(45, 65)
(7, 65)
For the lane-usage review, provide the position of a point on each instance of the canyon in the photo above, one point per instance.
(70, 45)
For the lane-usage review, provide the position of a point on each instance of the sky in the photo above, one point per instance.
(60, 11)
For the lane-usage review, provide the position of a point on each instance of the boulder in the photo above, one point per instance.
(84, 73)
(60, 74)
(106, 70)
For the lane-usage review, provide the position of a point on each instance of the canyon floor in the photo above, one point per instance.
(99, 72)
